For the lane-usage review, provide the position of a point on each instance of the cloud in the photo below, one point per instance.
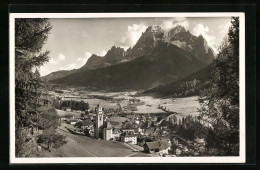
(84, 59)
(53, 62)
(223, 30)
(203, 30)
(44, 71)
(200, 29)
(68, 67)
(102, 53)
(173, 22)
(132, 35)
(61, 57)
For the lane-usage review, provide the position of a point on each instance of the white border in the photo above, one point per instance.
(227, 159)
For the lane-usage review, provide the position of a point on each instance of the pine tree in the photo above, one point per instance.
(30, 96)
(30, 35)
(221, 109)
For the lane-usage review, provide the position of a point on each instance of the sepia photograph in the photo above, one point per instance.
(127, 88)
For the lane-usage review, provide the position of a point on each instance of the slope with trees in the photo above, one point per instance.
(222, 108)
(189, 86)
(32, 105)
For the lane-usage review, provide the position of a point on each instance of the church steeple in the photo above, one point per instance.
(99, 121)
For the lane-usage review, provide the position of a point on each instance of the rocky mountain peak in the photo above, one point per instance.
(155, 29)
(149, 39)
(115, 53)
(176, 30)
(198, 46)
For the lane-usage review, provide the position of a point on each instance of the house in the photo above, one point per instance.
(161, 147)
(137, 121)
(164, 147)
(128, 130)
(127, 125)
(129, 138)
(72, 121)
(167, 139)
(86, 124)
(151, 147)
(176, 149)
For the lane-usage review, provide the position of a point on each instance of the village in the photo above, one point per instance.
(152, 134)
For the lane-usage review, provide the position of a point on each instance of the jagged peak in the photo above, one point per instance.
(177, 29)
(180, 27)
(154, 28)
(93, 55)
(113, 48)
(201, 38)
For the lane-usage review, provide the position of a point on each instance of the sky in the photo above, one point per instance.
(72, 41)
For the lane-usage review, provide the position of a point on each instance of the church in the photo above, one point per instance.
(99, 122)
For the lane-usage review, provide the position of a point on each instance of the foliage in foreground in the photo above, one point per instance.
(221, 107)
(34, 114)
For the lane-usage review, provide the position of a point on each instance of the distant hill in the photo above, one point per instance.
(58, 74)
(164, 64)
(188, 86)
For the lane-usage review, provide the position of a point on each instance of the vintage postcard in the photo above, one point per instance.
(127, 88)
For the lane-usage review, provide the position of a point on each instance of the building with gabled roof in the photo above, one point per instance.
(129, 138)
(160, 147)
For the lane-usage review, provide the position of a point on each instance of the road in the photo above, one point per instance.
(83, 146)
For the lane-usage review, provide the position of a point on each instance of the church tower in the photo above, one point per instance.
(99, 121)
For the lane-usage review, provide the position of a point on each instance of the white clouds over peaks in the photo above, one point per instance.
(200, 29)
(61, 56)
(224, 29)
(58, 59)
(84, 59)
(173, 22)
(132, 35)
(102, 53)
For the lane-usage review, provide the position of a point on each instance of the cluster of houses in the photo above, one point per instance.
(143, 130)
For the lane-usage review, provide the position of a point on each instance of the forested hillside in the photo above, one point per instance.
(189, 86)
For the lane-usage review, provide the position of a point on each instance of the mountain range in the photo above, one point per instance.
(157, 58)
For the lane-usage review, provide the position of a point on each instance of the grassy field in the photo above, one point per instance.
(183, 106)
